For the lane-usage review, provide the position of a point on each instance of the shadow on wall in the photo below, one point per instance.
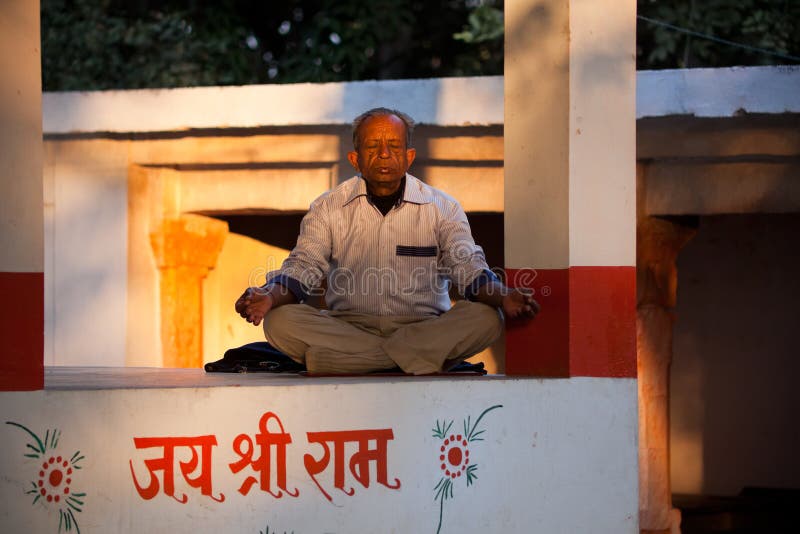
(734, 393)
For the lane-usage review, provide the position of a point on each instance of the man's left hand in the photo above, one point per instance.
(518, 304)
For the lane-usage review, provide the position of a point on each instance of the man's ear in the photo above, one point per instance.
(411, 154)
(352, 157)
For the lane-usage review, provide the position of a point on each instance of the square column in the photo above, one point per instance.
(21, 199)
(570, 184)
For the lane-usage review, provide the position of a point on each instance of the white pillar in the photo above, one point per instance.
(570, 184)
(21, 202)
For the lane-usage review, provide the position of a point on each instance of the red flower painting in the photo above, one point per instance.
(53, 480)
(454, 457)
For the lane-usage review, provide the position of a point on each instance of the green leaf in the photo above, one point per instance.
(471, 476)
(41, 447)
(471, 436)
(441, 429)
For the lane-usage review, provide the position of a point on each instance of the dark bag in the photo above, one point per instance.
(258, 357)
(261, 357)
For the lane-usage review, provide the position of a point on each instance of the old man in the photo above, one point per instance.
(388, 246)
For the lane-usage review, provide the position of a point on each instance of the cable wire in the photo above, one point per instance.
(717, 39)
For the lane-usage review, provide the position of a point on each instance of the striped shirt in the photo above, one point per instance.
(398, 264)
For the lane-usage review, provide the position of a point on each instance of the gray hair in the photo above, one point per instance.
(379, 112)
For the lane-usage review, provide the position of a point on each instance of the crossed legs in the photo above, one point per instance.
(346, 342)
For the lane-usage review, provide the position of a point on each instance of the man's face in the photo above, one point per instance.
(382, 157)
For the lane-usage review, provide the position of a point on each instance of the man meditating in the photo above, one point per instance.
(388, 246)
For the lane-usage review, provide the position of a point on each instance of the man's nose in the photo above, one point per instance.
(383, 150)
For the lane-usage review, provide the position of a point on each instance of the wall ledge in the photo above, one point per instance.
(475, 101)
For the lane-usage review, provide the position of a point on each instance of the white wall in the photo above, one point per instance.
(86, 243)
(725, 92)
(558, 457)
(440, 101)
(444, 102)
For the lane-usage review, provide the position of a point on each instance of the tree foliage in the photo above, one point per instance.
(105, 44)
(767, 24)
(102, 44)
(110, 44)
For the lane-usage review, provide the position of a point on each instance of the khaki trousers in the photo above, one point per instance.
(348, 342)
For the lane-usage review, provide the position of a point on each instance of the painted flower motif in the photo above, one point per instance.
(454, 458)
(54, 481)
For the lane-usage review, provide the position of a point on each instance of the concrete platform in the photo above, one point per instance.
(179, 450)
(92, 378)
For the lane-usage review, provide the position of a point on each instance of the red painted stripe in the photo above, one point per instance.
(21, 331)
(602, 302)
(587, 325)
(540, 347)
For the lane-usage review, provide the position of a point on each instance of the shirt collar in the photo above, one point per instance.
(415, 192)
(359, 189)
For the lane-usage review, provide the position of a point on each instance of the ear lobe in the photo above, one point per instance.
(352, 157)
(411, 154)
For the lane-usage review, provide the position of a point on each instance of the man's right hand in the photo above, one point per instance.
(519, 304)
(254, 304)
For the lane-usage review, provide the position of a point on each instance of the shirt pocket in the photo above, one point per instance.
(416, 251)
(417, 269)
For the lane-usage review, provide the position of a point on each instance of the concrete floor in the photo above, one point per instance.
(81, 378)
